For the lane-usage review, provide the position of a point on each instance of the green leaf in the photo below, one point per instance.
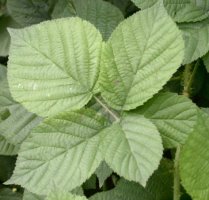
(7, 148)
(26, 12)
(5, 22)
(62, 150)
(173, 115)
(58, 195)
(137, 65)
(8, 194)
(103, 15)
(103, 172)
(60, 66)
(133, 148)
(194, 160)
(30, 196)
(13, 113)
(206, 61)
(196, 37)
(204, 4)
(179, 10)
(159, 187)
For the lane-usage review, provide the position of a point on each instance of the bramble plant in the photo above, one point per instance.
(104, 100)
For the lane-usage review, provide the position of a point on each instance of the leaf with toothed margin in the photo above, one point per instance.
(54, 66)
(63, 151)
(133, 148)
(174, 115)
(136, 66)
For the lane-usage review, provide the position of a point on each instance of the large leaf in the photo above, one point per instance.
(28, 12)
(30, 196)
(62, 150)
(60, 66)
(133, 148)
(194, 160)
(8, 194)
(136, 66)
(159, 187)
(196, 36)
(5, 22)
(173, 115)
(179, 10)
(104, 16)
(16, 121)
(60, 195)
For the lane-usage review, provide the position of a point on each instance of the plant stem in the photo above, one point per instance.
(176, 187)
(107, 109)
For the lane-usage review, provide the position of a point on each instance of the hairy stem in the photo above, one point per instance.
(176, 187)
(107, 109)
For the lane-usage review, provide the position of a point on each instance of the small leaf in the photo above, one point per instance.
(175, 117)
(63, 151)
(196, 37)
(103, 15)
(133, 148)
(194, 160)
(58, 195)
(136, 66)
(60, 66)
(103, 172)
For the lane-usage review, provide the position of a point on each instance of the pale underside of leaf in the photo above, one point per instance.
(54, 66)
(173, 115)
(63, 151)
(133, 148)
(136, 66)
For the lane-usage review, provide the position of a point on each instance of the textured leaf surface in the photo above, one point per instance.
(103, 172)
(194, 160)
(30, 196)
(62, 150)
(173, 115)
(143, 4)
(7, 148)
(159, 187)
(16, 121)
(64, 196)
(196, 37)
(133, 148)
(7, 194)
(103, 15)
(136, 67)
(206, 61)
(29, 12)
(60, 66)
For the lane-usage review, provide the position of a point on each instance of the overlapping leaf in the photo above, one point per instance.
(159, 187)
(133, 148)
(63, 149)
(60, 195)
(30, 196)
(194, 160)
(173, 115)
(60, 66)
(196, 37)
(7, 148)
(136, 66)
(16, 121)
(8, 194)
(103, 15)
(206, 61)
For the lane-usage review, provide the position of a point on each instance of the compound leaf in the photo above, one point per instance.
(103, 15)
(62, 150)
(194, 160)
(133, 148)
(173, 115)
(136, 66)
(60, 66)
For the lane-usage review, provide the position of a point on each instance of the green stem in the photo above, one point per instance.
(176, 187)
(107, 109)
